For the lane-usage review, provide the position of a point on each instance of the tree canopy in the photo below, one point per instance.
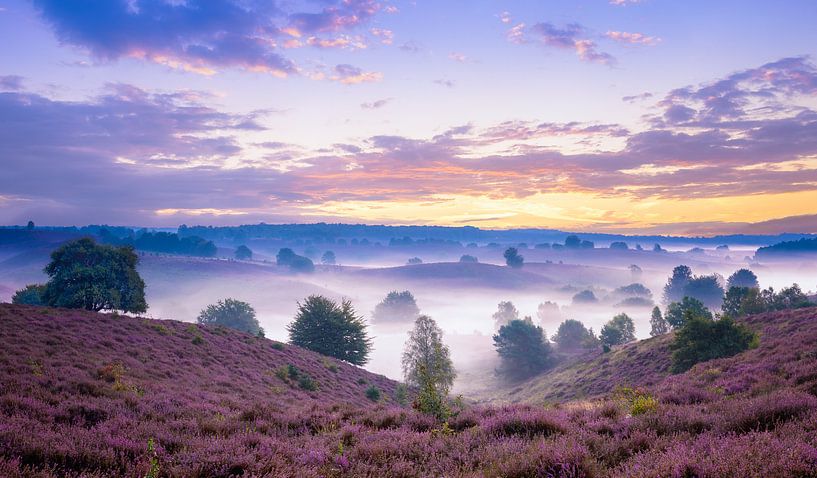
(679, 312)
(573, 335)
(397, 307)
(513, 258)
(619, 330)
(505, 312)
(702, 339)
(231, 313)
(243, 252)
(328, 258)
(674, 289)
(742, 278)
(426, 357)
(523, 348)
(332, 329)
(658, 324)
(91, 276)
(32, 294)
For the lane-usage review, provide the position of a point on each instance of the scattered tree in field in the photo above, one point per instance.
(285, 256)
(573, 242)
(467, 258)
(674, 290)
(548, 312)
(30, 225)
(243, 253)
(425, 351)
(619, 245)
(707, 289)
(332, 329)
(397, 307)
(505, 312)
(633, 290)
(620, 330)
(513, 258)
(414, 261)
(231, 313)
(742, 278)
(572, 335)
(658, 324)
(302, 264)
(328, 258)
(701, 339)
(31, 294)
(523, 348)
(585, 297)
(635, 272)
(678, 312)
(657, 248)
(87, 275)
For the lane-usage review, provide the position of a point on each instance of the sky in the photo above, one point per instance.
(631, 116)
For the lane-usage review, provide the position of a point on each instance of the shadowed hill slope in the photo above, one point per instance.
(788, 346)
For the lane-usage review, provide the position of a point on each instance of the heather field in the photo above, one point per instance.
(87, 394)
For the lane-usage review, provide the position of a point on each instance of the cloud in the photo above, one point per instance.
(386, 36)
(411, 47)
(624, 3)
(352, 75)
(571, 37)
(204, 36)
(632, 38)
(458, 57)
(129, 150)
(446, 83)
(11, 82)
(505, 17)
(376, 104)
(640, 97)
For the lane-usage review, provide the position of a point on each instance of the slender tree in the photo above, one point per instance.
(425, 352)
(658, 324)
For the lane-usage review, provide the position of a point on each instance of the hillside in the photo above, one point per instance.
(98, 395)
(787, 347)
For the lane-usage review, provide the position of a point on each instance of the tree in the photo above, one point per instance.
(635, 272)
(512, 258)
(332, 329)
(285, 256)
(30, 225)
(505, 312)
(735, 298)
(31, 294)
(397, 307)
(573, 335)
(702, 339)
(658, 324)
(243, 252)
(523, 348)
(466, 258)
(585, 297)
(414, 261)
(674, 290)
(620, 330)
(679, 312)
(548, 312)
(87, 275)
(573, 242)
(328, 258)
(742, 278)
(301, 264)
(619, 245)
(425, 351)
(231, 313)
(788, 298)
(707, 289)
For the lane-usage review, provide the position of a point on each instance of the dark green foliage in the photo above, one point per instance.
(426, 351)
(677, 312)
(231, 313)
(243, 253)
(396, 307)
(505, 313)
(430, 400)
(740, 301)
(31, 294)
(658, 324)
(706, 289)
(573, 335)
(164, 242)
(328, 258)
(373, 393)
(702, 339)
(674, 290)
(742, 278)
(87, 275)
(330, 329)
(513, 258)
(466, 258)
(620, 330)
(788, 298)
(523, 347)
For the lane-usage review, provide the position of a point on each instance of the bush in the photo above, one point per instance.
(620, 330)
(373, 393)
(702, 339)
(332, 329)
(231, 313)
(396, 307)
(523, 348)
(31, 294)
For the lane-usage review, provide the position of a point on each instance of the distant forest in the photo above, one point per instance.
(789, 247)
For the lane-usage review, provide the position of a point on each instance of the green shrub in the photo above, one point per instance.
(278, 345)
(701, 339)
(401, 394)
(373, 393)
(307, 383)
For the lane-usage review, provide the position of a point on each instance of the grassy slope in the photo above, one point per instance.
(73, 346)
(646, 363)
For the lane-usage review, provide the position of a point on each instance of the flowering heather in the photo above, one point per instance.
(96, 395)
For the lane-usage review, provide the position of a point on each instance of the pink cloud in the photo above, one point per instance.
(632, 38)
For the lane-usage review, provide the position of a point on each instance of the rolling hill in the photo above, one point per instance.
(99, 395)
